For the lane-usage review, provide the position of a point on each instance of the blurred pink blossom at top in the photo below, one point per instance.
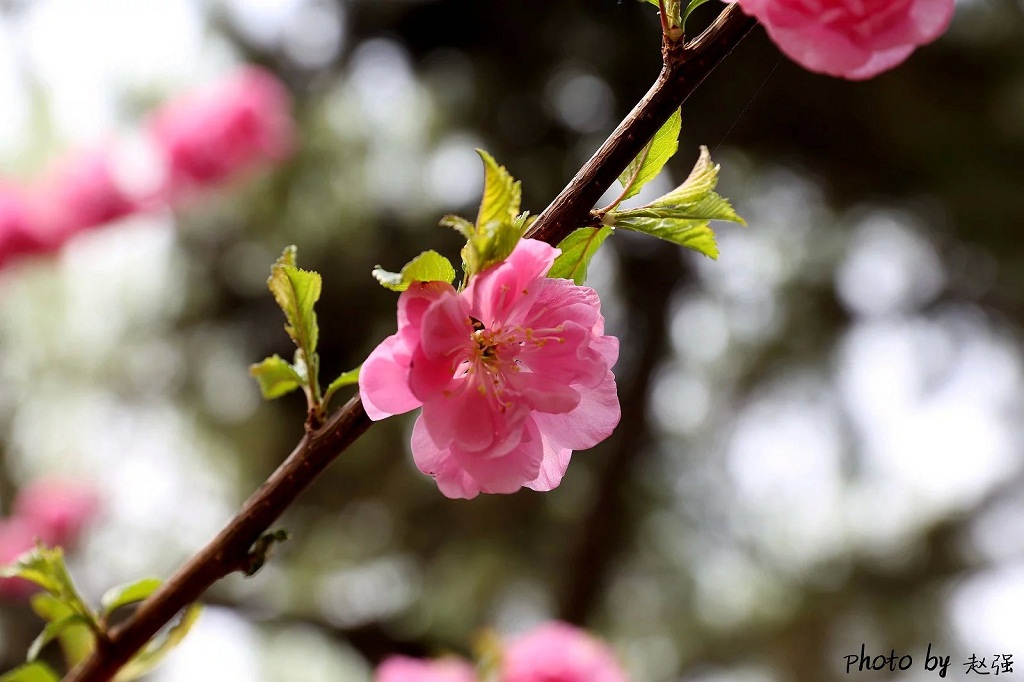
(53, 511)
(199, 140)
(82, 192)
(559, 652)
(405, 669)
(17, 536)
(58, 509)
(513, 373)
(855, 39)
(214, 133)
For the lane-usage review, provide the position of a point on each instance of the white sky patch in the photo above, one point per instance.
(986, 612)
(934, 405)
(86, 54)
(222, 647)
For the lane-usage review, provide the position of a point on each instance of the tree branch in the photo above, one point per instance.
(686, 66)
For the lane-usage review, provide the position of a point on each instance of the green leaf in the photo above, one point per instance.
(682, 215)
(492, 244)
(500, 202)
(129, 593)
(693, 234)
(652, 159)
(45, 567)
(577, 250)
(276, 377)
(429, 266)
(77, 640)
(346, 379)
(460, 225)
(32, 672)
(51, 631)
(694, 4)
(159, 647)
(296, 291)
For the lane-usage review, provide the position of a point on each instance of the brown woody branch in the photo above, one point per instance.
(686, 66)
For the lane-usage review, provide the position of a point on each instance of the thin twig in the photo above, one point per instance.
(686, 66)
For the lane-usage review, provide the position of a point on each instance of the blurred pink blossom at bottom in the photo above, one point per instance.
(552, 652)
(405, 669)
(559, 652)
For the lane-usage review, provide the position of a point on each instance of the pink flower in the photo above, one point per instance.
(58, 510)
(513, 374)
(83, 192)
(17, 536)
(404, 669)
(559, 652)
(213, 134)
(855, 39)
(18, 234)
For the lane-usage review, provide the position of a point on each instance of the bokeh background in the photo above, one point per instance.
(821, 442)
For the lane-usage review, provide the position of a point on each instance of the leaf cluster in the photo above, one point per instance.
(296, 292)
(75, 625)
(682, 216)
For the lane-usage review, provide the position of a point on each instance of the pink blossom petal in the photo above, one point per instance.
(854, 40)
(446, 328)
(552, 466)
(383, 381)
(543, 393)
(452, 479)
(405, 669)
(562, 300)
(591, 422)
(504, 293)
(508, 473)
(559, 651)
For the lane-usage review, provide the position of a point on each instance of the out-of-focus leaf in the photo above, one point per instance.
(160, 646)
(649, 162)
(460, 225)
(31, 672)
(77, 640)
(276, 377)
(51, 631)
(129, 593)
(45, 567)
(429, 266)
(577, 250)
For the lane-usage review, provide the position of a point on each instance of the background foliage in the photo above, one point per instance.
(820, 435)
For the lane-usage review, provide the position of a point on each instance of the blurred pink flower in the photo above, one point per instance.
(855, 39)
(215, 133)
(513, 373)
(57, 510)
(17, 536)
(18, 234)
(559, 652)
(83, 192)
(404, 669)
